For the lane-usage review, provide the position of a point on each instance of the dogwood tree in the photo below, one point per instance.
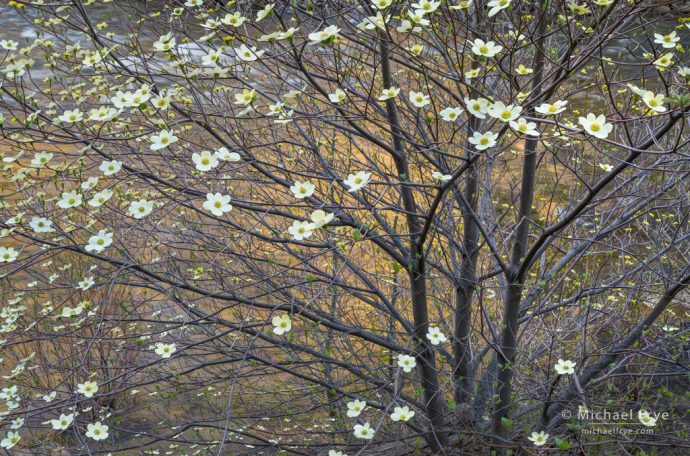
(330, 227)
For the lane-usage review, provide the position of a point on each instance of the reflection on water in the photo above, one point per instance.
(13, 26)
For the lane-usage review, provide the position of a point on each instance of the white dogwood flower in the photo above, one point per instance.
(566, 367)
(538, 438)
(217, 204)
(165, 350)
(97, 431)
(354, 408)
(402, 414)
(281, 324)
(406, 362)
(140, 209)
(364, 431)
(357, 181)
(99, 242)
(302, 189)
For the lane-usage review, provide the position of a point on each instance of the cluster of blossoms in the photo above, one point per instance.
(166, 136)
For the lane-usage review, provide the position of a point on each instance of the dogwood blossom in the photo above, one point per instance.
(495, 6)
(281, 324)
(247, 54)
(596, 125)
(217, 204)
(364, 431)
(165, 350)
(504, 113)
(462, 5)
(99, 242)
(70, 199)
(667, 41)
(63, 422)
(9, 45)
(211, 58)
(524, 127)
(90, 183)
(41, 225)
(566, 367)
(163, 139)
(450, 114)
(549, 109)
(321, 218)
(302, 189)
(523, 70)
(483, 141)
(477, 107)
(381, 4)
(538, 438)
(664, 61)
(655, 102)
(428, 6)
(357, 181)
(140, 209)
(435, 335)
(224, 154)
(10, 440)
(233, 19)
(264, 12)
(108, 168)
(325, 36)
(97, 431)
(71, 116)
(402, 414)
(100, 198)
(486, 49)
(41, 158)
(165, 43)
(646, 419)
(439, 176)
(301, 230)
(205, 161)
(88, 388)
(419, 99)
(406, 362)
(387, 94)
(8, 254)
(354, 408)
(246, 97)
(337, 97)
